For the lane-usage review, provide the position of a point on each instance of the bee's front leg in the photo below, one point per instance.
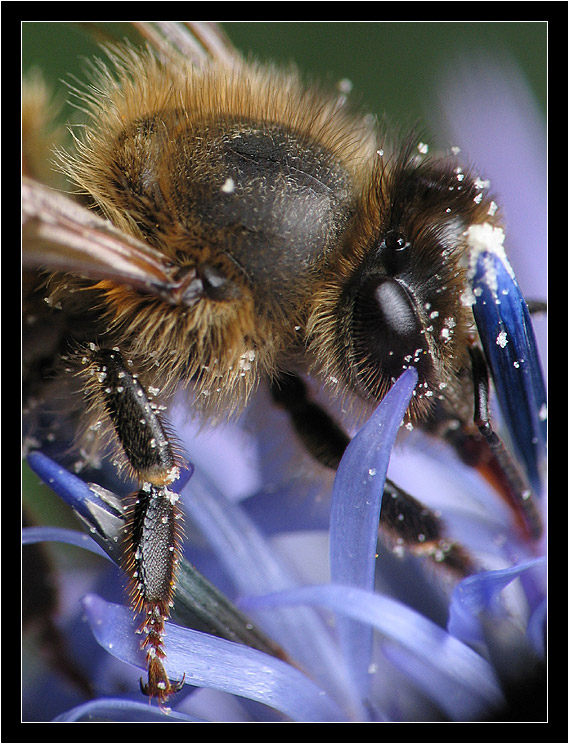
(153, 531)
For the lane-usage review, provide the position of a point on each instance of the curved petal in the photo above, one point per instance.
(67, 486)
(506, 332)
(214, 662)
(477, 595)
(117, 709)
(256, 568)
(355, 509)
(445, 662)
(31, 535)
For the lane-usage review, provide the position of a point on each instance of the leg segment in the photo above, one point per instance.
(404, 520)
(135, 420)
(319, 433)
(153, 531)
(510, 481)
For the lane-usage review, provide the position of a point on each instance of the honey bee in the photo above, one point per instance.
(236, 225)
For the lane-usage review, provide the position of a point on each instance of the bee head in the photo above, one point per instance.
(394, 298)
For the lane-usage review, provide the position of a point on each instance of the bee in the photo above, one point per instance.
(235, 225)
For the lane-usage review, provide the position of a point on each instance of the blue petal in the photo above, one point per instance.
(248, 558)
(256, 568)
(31, 535)
(477, 595)
(213, 662)
(508, 340)
(67, 486)
(100, 510)
(355, 509)
(537, 625)
(117, 710)
(446, 664)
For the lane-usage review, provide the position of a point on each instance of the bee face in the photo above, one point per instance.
(396, 296)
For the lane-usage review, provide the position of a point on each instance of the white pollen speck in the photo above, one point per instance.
(229, 186)
(502, 339)
(480, 183)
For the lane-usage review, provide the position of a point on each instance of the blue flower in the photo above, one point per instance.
(372, 637)
(339, 674)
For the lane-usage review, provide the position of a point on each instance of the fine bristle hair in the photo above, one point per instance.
(227, 346)
(412, 194)
(136, 84)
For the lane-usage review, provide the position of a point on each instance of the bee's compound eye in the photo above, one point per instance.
(387, 330)
(393, 310)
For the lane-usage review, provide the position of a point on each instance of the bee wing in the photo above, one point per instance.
(198, 41)
(60, 235)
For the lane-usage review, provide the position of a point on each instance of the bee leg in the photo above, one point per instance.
(151, 556)
(406, 522)
(537, 307)
(153, 531)
(502, 469)
(318, 432)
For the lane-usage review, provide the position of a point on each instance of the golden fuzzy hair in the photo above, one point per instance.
(223, 348)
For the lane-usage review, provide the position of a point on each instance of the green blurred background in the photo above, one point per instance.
(392, 65)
